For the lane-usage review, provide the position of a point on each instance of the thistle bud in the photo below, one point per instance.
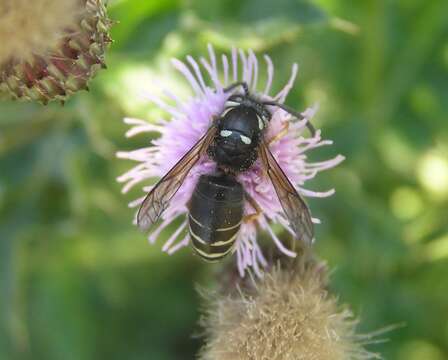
(51, 48)
(287, 315)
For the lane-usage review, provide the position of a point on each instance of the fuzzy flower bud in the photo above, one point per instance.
(50, 48)
(287, 315)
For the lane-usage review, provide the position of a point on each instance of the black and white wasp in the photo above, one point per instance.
(234, 141)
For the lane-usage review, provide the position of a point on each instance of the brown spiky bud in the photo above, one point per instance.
(51, 48)
(287, 315)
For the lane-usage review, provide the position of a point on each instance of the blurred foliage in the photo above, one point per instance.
(78, 281)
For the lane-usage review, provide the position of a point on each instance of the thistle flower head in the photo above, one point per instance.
(190, 119)
(287, 315)
(27, 26)
(51, 48)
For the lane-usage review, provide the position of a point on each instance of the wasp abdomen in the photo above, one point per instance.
(216, 213)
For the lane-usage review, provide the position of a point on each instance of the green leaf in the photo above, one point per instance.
(129, 14)
(255, 24)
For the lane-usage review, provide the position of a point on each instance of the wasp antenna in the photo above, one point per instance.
(243, 84)
(311, 128)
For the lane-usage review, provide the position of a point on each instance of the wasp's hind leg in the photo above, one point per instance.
(258, 212)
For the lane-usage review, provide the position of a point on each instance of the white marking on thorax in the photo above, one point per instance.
(225, 133)
(231, 104)
(260, 123)
(245, 139)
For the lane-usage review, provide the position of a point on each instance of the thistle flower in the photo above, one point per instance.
(50, 48)
(287, 315)
(189, 120)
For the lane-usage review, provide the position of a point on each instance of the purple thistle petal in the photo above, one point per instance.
(184, 242)
(246, 74)
(235, 64)
(270, 68)
(253, 60)
(225, 65)
(174, 236)
(183, 69)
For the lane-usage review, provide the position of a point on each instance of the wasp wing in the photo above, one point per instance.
(158, 199)
(294, 206)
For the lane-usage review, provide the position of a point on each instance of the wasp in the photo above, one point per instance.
(234, 141)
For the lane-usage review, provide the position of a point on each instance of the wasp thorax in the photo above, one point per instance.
(235, 145)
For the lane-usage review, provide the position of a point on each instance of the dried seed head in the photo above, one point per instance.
(288, 315)
(27, 26)
(50, 48)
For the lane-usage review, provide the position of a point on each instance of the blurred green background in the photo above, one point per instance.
(78, 281)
